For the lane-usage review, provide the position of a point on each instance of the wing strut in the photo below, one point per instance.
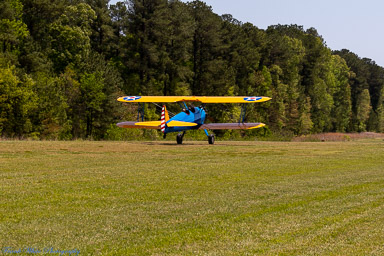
(140, 112)
(243, 112)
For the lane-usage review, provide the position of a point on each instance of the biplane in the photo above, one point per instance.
(191, 117)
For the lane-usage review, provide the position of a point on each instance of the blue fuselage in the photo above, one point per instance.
(198, 117)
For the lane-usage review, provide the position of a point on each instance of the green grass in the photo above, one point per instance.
(158, 198)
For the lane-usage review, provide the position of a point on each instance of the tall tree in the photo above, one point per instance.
(120, 26)
(366, 75)
(363, 110)
(91, 88)
(339, 82)
(17, 102)
(38, 15)
(70, 36)
(148, 23)
(12, 28)
(176, 68)
(102, 32)
(207, 63)
(51, 119)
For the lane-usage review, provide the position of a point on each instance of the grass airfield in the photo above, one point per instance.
(159, 198)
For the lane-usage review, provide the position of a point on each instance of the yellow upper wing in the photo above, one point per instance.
(202, 99)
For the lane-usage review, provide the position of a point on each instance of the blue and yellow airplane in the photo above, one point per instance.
(191, 118)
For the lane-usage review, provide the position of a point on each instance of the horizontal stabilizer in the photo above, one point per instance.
(231, 126)
(180, 123)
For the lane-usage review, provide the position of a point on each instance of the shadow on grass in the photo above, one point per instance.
(202, 143)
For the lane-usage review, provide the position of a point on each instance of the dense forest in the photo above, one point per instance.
(63, 63)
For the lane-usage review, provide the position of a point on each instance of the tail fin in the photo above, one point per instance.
(164, 118)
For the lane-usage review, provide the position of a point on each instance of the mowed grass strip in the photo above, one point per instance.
(158, 198)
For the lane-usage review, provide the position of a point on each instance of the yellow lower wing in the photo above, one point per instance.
(257, 126)
(180, 123)
(150, 123)
(202, 99)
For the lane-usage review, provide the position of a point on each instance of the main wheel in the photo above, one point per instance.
(211, 139)
(179, 139)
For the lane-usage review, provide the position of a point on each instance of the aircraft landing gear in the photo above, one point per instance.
(211, 139)
(179, 138)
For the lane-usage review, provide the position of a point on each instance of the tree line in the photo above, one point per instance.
(63, 63)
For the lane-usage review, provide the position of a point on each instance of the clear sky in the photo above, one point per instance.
(357, 25)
